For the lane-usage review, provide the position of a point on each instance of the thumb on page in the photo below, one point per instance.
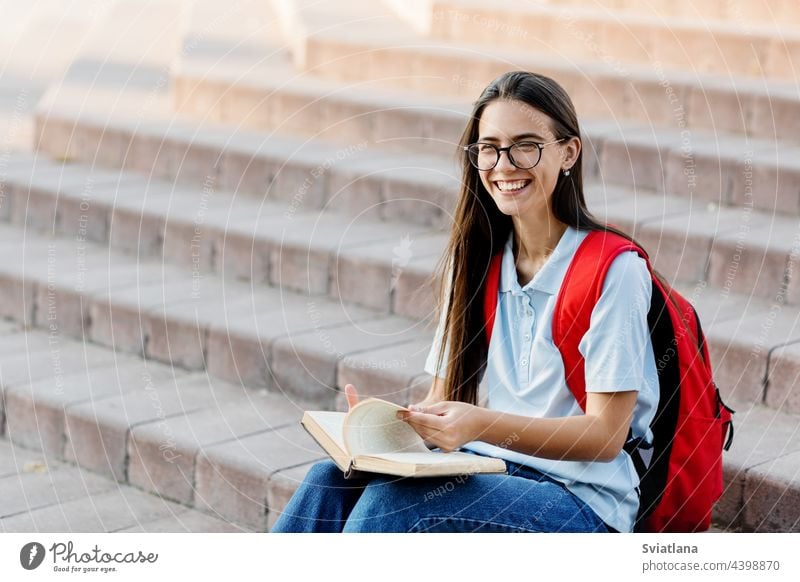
(351, 395)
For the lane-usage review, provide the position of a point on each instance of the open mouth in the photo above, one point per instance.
(511, 186)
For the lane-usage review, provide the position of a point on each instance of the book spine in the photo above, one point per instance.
(353, 473)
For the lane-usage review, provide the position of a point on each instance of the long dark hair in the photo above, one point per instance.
(480, 230)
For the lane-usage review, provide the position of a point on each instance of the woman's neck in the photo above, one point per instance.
(534, 241)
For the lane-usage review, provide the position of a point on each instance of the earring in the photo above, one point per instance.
(566, 172)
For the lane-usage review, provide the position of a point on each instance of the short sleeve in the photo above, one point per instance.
(616, 345)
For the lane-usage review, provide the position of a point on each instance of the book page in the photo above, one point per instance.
(431, 458)
(332, 423)
(428, 464)
(371, 427)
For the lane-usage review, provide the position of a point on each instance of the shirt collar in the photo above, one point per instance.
(548, 278)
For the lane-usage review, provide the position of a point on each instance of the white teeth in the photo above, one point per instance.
(510, 186)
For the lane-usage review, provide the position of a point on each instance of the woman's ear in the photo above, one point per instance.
(572, 150)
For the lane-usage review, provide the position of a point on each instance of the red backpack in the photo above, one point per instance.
(683, 479)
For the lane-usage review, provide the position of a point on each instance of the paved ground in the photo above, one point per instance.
(51, 496)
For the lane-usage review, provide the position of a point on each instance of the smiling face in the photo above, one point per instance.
(520, 192)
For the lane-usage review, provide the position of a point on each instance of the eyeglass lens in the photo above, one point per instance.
(523, 155)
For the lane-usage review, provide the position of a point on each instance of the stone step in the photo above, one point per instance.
(125, 54)
(720, 168)
(357, 259)
(760, 478)
(139, 422)
(760, 473)
(747, 251)
(772, 14)
(239, 31)
(740, 275)
(300, 19)
(745, 248)
(649, 95)
(122, 421)
(307, 175)
(158, 427)
(227, 451)
(278, 98)
(587, 32)
(46, 495)
(198, 442)
(258, 336)
(130, 35)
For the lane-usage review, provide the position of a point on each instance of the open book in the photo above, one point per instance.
(371, 438)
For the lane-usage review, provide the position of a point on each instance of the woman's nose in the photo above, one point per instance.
(504, 163)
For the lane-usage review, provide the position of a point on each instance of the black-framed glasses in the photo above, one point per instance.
(523, 155)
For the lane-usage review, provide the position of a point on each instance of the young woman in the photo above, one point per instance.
(522, 196)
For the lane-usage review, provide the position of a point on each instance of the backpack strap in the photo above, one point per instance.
(580, 292)
(492, 288)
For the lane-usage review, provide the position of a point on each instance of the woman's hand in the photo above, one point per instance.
(447, 425)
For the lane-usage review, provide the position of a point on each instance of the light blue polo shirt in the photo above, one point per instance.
(525, 372)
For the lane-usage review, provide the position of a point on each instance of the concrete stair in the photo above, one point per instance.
(141, 423)
(774, 14)
(227, 269)
(712, 163)
(650, 95)
(152, 318)
(241, 246)
(587, 30)
(239, 454)
(48, 495)
(192, 317)
(121, 413)
(372, 187)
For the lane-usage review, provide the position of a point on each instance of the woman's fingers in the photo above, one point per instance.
(428, 434)
(351, 395)
(430, 407)
(422, 420)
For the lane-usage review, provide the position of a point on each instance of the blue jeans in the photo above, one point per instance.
(525, 500)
